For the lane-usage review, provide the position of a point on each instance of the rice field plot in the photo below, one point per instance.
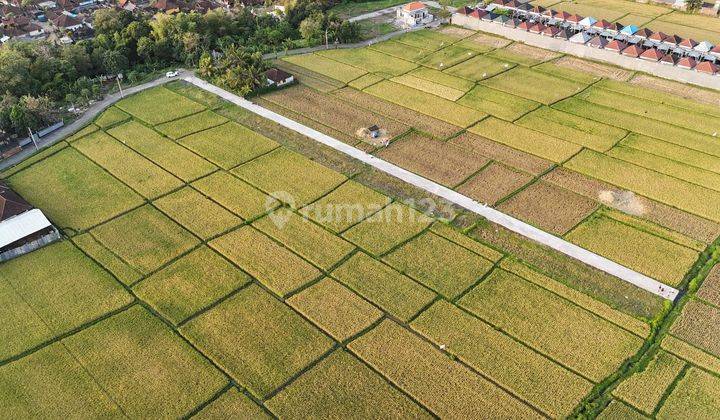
(427, 40)
(111, 116)
(492, 183)
(592, 69)
(645, 389)
(143, 366)
(498, 104)
(419, 154)
(345, 206)
(379, 283)
(190, 284)
(65, 290)
(399, 50)
(597, 11)
(387, 228)
(549, 207)
(555, 327)
(699, 325)
(325, 66)
(196, 94)
(145, 238)
(169, 155)
(370, 60)
(522, 54)
(273, 265)
(697, 395)
(447, 57)
(109, 261)
(591, 134)
(710, 289)
(128, 166)
(299, 179)
(652, 255)
(534, 85)
(654, 185)
(619, 410)
(655, 229)
(446, 387)
(499, 152)
(261, 342)
(677, 90)
(526, 140)
(479, 68)
(439, 264)
(235, 195)
(691, 353)
(88, 129)
(233, 403)
(37, 157)
(442, 78)
(191, 124)
(534, 378)
(426, 103)
(228, 145)
(152, 107)
(364, 81)
(197, 213)
(83, 193)
(444, 92)
(566, 72)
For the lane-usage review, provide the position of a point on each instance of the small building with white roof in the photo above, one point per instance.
(23, 228)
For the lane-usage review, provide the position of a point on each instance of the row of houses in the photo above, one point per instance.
(630, 40)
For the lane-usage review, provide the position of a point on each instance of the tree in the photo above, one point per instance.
(312, 28)
(693, 5)
(114, 62)
(111, 20)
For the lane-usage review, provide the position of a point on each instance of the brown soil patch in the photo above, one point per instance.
(501, 153)
(684, 91)
(490, 41)
(593, 68)
(493, 183)
(710, 290)
(532, 52)
(455, 31)
(549, 207)
(437, 160)
(687, 224)
(407, 116)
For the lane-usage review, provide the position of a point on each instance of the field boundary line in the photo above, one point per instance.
(630, 276)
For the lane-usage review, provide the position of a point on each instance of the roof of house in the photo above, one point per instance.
(413, 6)
(525, 25)
(616, 45)
(538, 9)
(658, 36)
(644, 33)
(652, 54)
(21, 226)
(277, 75)
(598, 42)
(588, 21)
(687, 63)
(65, 21)
(673, 39)
(537, 28)
(704, 47)
(616, 26)
(633, 51)
(668, 59)
(707, 67)
(602, 24)
(574, 18)
(477, 14)
(465, 10)
(563, 15)
(688, 43)
(550, 31)
(11, 204)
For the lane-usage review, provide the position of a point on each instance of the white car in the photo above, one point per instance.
(171, 74)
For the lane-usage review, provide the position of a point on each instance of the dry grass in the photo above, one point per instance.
(682, 90)
(699, 325)
(596, 69)
(511, 157)
(238, 196)
(549, 207)
(484, 41)
(697, 396)
(645, 389)
(529, 55)
(493, 183)
(197, 213)
(444, 386)
(546, 385)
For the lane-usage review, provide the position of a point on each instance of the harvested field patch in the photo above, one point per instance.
(197, 213)
(229, 145)
(419, 154)
(395, 293)
(291, 173)
(145, 238)
(364, 81)
(427, 40)
(345, 206)
(117, 267)
(591, 134)
(447, 57)
(710, 289)
(83, 194)
(555, 327)
(675, 89)
(497, 103)
(151, 105)
(532, 377)
(172, 157)
(481, 42)
(387, 228)
(548, 207)
(190, 284)
(51, 383)
(325, 66)
(654, 256)
(439, 264)
(426, 103)
(370, 61)
(409, 117)
(524, 54)
(261, 342)
(335, 309)
(238, 196)
(191, 124)
(645, 389)
(303, 237)
(441, 384)
(509, 156)
(111, 116)
(429, 87)
(681, 194)
(526, 140)
(672, 151)
(456, 31)
(596, 69)
(145, 367)
(274, 266)
(342, 387)
(232, 403)
(696, 396)
(493, 183)
(133, 169)
(399, 50)
(524, 82)
(699, 325)
(479, 68)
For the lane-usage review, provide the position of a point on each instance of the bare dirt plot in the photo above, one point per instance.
(444, 386)
(699, 325)
(549, 207)
(673, 88)
(511, 157)
(597, 69)
(710, 289)
(493, 183)
(407, 116)
(456, 32)
(420, 154)
(645, 389)
(696, 396)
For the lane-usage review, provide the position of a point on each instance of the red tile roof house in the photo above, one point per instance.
(478, 14)
(602, 24)
(616, 45)
(23, 228)
(658, 37)
(716, 51)
(651, 54)
(633, 51)
(598, 42)
(688, 63)
(688, 43)
(668, 59)
(525, 26)
(563, 16)
(673, 40)
(574, 18)
(644, 33)
(550, 31)
(706, 67)
(537, 28)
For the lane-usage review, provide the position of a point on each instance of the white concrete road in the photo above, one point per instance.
(522, 228)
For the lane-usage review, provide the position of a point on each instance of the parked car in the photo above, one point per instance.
(171, 74)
